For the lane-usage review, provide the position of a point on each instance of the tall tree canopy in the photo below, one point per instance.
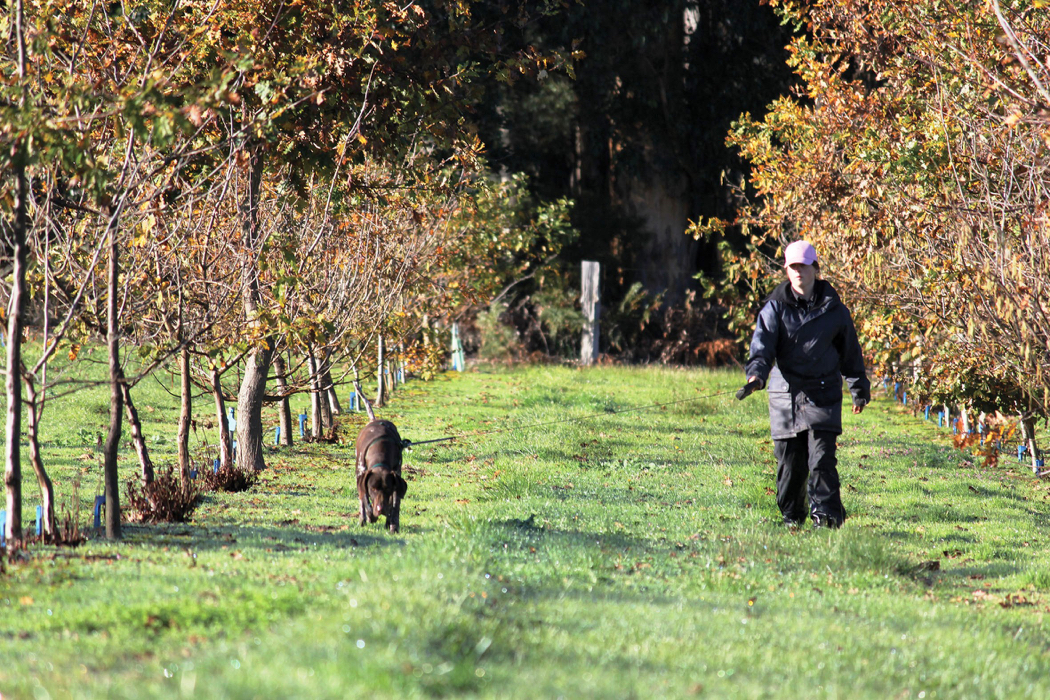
(636, 138)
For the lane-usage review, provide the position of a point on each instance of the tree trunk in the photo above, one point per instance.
(225, 440)
(250, 404)
(47, 489)
(323, 404)
(185, 416)
(257, 365)
(334, 407)
(667, 260)
(321, 421)
(116, 406)
(381, 384)
(315, 394)
(15, 323)
(138, 438)
(1028, 435)
(286, 404)
(391, 370)
(16, 313)
(365, 404)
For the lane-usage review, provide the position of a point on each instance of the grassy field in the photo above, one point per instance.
(601, 554)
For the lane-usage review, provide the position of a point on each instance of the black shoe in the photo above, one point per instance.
(822, 520)
(793, 523)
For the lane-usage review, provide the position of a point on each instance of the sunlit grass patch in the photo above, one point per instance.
(554, 548)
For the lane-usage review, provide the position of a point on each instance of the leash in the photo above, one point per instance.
(409, 443)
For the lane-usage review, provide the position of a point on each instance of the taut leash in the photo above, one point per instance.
(410, 443)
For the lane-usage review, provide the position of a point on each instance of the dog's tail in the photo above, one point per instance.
(361, 397)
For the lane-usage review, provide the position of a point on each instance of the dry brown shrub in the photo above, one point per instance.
(164, 500)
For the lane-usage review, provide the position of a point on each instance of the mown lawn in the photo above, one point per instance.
(574, 549)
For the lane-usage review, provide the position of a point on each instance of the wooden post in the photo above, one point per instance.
(458, 359)
(591, 312)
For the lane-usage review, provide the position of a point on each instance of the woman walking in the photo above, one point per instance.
(804, 344)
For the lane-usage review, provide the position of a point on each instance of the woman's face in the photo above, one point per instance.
(802, 278)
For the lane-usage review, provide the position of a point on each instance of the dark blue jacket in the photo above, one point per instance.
(802, 351)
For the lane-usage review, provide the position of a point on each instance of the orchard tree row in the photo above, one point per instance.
(276, 187)
(915, 154)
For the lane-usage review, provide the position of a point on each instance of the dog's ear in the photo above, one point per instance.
(402, 486)
(362, 480)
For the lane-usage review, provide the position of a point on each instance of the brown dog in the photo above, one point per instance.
(379, 483)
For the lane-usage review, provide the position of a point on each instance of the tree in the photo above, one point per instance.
(915, 157)
(636, 139)
(15, 223)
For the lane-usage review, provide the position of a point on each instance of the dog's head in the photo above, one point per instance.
(382, 486)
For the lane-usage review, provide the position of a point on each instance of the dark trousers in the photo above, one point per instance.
(806, 465)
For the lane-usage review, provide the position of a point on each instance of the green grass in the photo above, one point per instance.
(603, 554)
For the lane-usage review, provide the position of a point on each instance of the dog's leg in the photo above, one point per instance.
(393, 521)
(362, 497)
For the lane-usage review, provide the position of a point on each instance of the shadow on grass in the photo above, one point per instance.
(977, 574)
(257, 537)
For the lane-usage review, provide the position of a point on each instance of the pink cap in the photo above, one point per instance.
(800, 252)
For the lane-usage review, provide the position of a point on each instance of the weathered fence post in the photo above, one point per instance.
(591, 311)
(458, 357)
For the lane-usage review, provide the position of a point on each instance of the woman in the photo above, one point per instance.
(804, 344)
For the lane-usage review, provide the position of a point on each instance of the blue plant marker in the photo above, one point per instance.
(100, 504)
(904, 398)
(215, 465)
(353, 400)
(193, 473)
(940, 419)
(302, 424)
(1021, 449)
(927, 413)
(39, 520)
(3, 526)
(277, 435)
(1039, 463)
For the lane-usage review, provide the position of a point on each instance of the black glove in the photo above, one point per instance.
(748, 389)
